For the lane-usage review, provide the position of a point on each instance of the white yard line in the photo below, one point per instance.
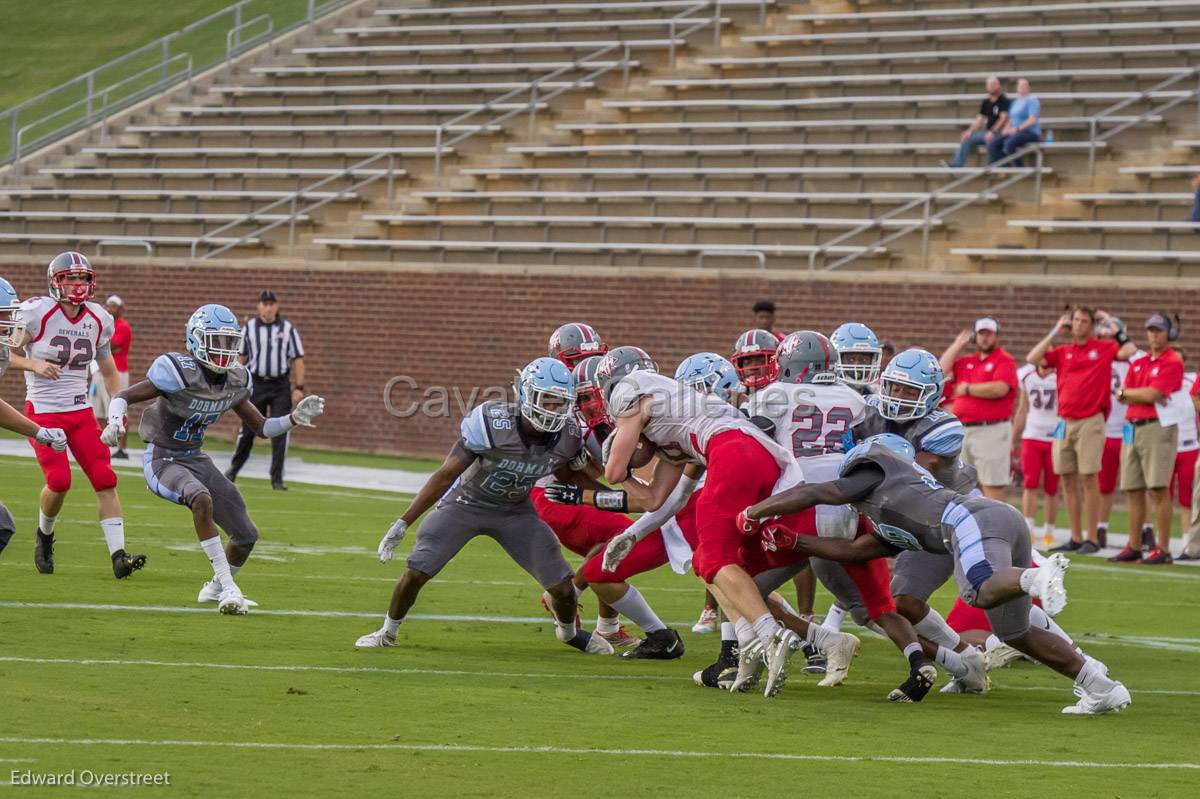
(566, 750)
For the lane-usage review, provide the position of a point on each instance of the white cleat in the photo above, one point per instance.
(707, 623)
(1048, 584)
(779, 653)
(1093, 704)
(376, 640)
(231, 602)
(976, 680)
(598, 645)
(1000, 656)
(750, 667)
(838, 656)
(211, 592)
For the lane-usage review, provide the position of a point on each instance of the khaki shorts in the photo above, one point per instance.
(100, 398)
(1082, 448)
(1149, 461)
(987, 448)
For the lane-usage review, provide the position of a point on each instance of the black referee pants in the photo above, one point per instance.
(272, 397)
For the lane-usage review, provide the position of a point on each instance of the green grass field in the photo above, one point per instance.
(133, 676)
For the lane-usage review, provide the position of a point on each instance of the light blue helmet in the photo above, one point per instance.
(11, 331)
(214, 337)
(897, 444)
(546, 394)
(710, 373)
(914, 369)
(856, 340)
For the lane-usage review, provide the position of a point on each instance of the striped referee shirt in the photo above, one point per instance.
(271, 348)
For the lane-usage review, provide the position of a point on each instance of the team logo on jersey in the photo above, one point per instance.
(1093, 355)
(898, 537)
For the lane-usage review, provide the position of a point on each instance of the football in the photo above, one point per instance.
(643, 454)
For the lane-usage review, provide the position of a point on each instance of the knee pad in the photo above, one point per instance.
(104, 479)
(59, 481)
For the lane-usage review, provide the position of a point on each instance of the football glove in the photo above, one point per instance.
(112, 434)
(747, 526)
(52, 437)
(564, 493)
(394, 535)
(776, 536)
(308, 409)
(618, 548)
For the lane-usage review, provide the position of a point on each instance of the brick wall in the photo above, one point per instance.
(466, 329)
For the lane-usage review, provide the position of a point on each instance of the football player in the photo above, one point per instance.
(10, 417)
(483, 488)
(61, 335)
(574, 341)
(1033, 432)
(987, 540)
(191, 391)
(859, 357)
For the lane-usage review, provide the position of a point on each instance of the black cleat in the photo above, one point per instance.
(43, 553)
(722, 673)
(1070, 546)
(278, 485)
(814, 660)
(120, 455)
(125, 565)
(920, 681)
(658, 645)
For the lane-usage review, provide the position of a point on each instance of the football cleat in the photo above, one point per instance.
(707, 623)
(1000, 656)
(784, 644)
(920, 681)
(232, 603)
(125, 565)
(976, 680)
(721, 673)
(750, 667)
(620, 639)
(839, 657)
(1048, 584)
(816, 662)
(211, 592)
(376, 640)
(592, 645)
(43, 553)
(1093, 704)
(659, 645)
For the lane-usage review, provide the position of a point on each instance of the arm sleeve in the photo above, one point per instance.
(166, 375)
(860, 481)
(29, 316)
(945, 439)
(476, 435)
(647, 523)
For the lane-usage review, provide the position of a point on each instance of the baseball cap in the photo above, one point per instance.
(267, 296)
(986, 323)
(1159, 320)
(115, 299)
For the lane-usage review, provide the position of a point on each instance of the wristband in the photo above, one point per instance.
(617, 501)
(1121, 337)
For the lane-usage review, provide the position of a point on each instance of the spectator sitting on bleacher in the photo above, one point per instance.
(987, 125)
(1196, 200)
(1022, 128)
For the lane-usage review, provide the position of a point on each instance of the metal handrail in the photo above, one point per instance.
(232, 49)
(123, 243)
(441, 143)
(1037, 150)
(755, 254)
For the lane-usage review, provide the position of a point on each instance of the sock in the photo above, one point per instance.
(216, 556)
(934, 628)
(834, 618)
(46, 523)
(114, 533)
(1026, 581)
(578, 591)
(1102, 527)
(1093, 677)
(1048, 528)
(765, 627)
(914, 653)
(390, 625)
(1030, 523)
(727, 631)
(637, 610)
(607, 626)
(744, 632)
(1039, 618)
(564, 631)
(233, 570)
(1147, 527)
(951, 661)
(821, 637)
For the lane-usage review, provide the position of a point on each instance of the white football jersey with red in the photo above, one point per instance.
(1041, 399)
(811, 421)
(71, 344)
(1189, 436)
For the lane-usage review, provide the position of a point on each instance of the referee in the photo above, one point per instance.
(274, 356)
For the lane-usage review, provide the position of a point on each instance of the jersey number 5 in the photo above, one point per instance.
(810, 428)
(81, 346)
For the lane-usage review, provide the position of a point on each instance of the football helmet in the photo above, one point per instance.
(214, 337)
(859, 354)
(620, 362)
(71, 277)
(897, 444)
(588, 401)
(709, 373)
(575, 341)
(753, 357)
(11, 331)
(806, 356)
(914, 372)
(546, 394)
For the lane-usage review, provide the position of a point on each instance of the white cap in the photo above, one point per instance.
(115, 299)
(986, 323)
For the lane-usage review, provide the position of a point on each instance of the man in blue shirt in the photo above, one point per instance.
(1023, 126)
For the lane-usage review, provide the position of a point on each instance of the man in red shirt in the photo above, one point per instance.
(121, 340)
(1148, 446)
(985, 390)
(1084, 368)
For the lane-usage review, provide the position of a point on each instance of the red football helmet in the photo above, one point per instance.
(754, 358)
(588, 401)
(575, 341)
(71, 277)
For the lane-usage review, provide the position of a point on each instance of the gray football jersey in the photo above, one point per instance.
(907, 507)
(939, 433)
(507, 464)
(5, 354)
(189, 402)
